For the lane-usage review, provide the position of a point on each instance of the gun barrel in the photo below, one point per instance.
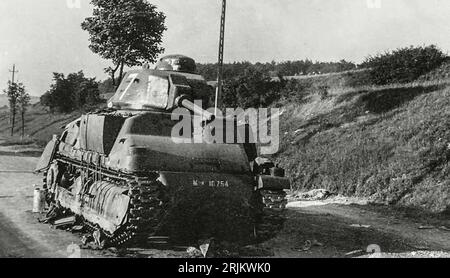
(206, 116)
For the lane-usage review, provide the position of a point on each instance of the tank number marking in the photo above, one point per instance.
(212, 183)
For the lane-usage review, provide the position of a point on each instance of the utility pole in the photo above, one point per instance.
(220, 61)
(12, 96)
(13, 71)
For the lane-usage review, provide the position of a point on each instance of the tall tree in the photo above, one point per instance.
(12, 93)
(127, 32)
(23, 101)
(69, 93)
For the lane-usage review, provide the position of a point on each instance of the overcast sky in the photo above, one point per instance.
(44, 36)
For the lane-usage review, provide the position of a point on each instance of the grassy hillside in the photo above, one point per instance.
(4, 100)
(39, 124)
(341, 79)
(390, 143)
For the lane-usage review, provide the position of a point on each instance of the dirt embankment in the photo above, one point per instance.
(390, 144)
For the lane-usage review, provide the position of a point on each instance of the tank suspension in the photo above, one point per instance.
(86, 167)
(146, 211)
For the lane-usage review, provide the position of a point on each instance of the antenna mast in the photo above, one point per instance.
(220, 61)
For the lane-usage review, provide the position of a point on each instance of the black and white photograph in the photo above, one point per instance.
(198, 131)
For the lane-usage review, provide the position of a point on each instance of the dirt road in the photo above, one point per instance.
(338, 229)
(315, 229)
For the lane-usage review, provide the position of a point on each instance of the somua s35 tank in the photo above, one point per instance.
(122, 174)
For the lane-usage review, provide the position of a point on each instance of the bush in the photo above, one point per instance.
(253, 89)
(404, 65)
(297, 91)
(69, 93)
(287, 68)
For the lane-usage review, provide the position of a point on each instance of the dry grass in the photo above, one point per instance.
(17, 141)
(327, 75)
(390, 143)
(40, 125)
(338, 90)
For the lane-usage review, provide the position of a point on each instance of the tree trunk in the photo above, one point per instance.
(13, 122)
(113, 78)
(23, 124)
(120, 74)
(113, 74)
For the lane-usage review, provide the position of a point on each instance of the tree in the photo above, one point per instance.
(59, 97)
(127, 32)
(274, 69)
(12, 93)
(72, 92)
(23, 102)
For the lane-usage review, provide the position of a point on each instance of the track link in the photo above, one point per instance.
(144, 214)
(145, 211)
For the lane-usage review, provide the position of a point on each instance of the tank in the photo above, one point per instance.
(120, 171)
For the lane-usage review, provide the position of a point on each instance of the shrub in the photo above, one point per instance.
(253, 89)
(69, 93)
(323, 92)
(287, 68)
(404, 64)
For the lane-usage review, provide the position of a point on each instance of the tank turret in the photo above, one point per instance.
(148, 89)
(178, 63)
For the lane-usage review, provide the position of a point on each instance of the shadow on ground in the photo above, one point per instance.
(335, 235)
(385, 100)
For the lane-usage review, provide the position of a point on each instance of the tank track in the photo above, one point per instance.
(273, 214)
(145, 213)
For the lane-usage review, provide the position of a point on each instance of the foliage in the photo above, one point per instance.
(255, 86)
(106, 87)
(404, 64)
(441, 73)
(70, 93)
(253, 89)
(127, 32)
(13, 92)
(23, 101)
(273, 69)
